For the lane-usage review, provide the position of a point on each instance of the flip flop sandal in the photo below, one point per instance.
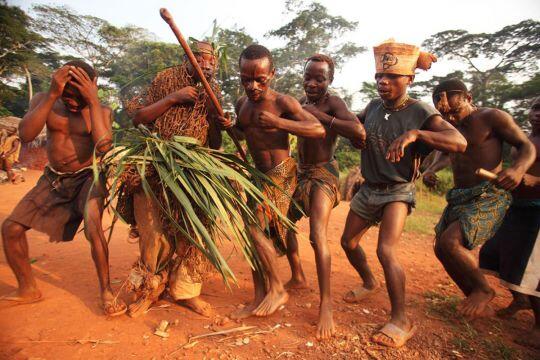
(359, 294)
(16, 300)
(397, 336)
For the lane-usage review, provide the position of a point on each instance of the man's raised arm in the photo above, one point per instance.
(41, 105)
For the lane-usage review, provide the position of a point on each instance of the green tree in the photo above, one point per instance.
(312, 30)
(84, 36)
(501, 67)
(19, 57)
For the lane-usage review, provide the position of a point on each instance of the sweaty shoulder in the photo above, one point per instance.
(287, 103)
(494, 116)
(335, 100)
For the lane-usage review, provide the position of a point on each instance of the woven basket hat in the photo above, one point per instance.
(400, 59)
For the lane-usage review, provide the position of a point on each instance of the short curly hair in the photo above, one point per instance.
(255, 52)
(323, 58)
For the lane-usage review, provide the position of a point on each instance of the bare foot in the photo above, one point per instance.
(360, 293)
(532, 341)
(21, 297)
(145, 300)
(476, 304)
(271, 302)
(518, 303)
(112, 306)
(198, 305)
(296, 284)
(245, 311)
(325, 327)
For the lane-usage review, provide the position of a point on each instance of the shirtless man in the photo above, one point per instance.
(475, 207)
(65, 195)
(512, 254)
(266, 118)
(317, 191)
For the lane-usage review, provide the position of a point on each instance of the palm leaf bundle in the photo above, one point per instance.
(195, 189)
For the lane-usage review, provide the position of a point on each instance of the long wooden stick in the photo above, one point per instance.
(166, 15)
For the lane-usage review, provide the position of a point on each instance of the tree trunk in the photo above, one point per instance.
(29, 83)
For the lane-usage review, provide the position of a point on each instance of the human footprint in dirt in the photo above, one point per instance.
(66, 194)
(476, 207)
(266, 118)
(399, 131)
(317, 191)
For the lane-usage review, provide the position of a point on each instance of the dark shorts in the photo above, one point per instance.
(56, 205)
(369, 201)
(513, 254)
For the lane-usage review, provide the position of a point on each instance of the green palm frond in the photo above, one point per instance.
(199, 181)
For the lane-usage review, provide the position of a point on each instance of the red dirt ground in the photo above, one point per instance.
(70, 312)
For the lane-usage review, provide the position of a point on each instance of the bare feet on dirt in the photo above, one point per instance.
(476, 304)
(326, 327)
(296, 284)
(518, 303)
(246, 311)
(198, 305)
(271, 302)
(112, 306)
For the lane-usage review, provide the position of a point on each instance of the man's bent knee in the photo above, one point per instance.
(348, 244)
(385, 254)
(12, 230)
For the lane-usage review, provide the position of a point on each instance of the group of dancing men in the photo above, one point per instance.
(394, 133)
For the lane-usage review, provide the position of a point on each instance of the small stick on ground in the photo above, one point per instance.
(215, 333)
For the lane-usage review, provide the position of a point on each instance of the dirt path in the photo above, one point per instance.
(70, 312)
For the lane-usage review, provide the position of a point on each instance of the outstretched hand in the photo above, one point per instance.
(396, 150)
(82, 82)
(59, 80)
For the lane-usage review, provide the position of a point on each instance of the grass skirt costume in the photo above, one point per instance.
(183, 196)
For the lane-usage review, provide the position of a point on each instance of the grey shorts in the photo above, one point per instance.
(369, 201)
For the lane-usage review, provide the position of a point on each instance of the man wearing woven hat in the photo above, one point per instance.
(400, 131)
(476, 207)
(172, 106)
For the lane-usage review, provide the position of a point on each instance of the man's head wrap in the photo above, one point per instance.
(201, 47)
(440, 93)
(401, 59)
